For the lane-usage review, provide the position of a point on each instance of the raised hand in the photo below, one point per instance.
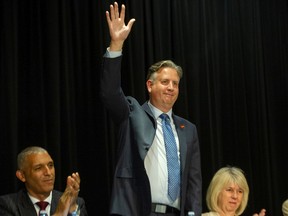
(67, 202)
(117, 28)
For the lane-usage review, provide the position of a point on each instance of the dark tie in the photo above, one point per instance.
(42, 205)
(173, 165)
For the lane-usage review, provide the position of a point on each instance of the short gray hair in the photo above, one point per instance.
(26, 152)
(162, 64)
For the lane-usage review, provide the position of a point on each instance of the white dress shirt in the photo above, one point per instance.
(156, 163)
(37, 208)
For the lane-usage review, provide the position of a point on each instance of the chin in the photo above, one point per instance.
(48, 188)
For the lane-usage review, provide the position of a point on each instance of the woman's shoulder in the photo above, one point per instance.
(210, 214)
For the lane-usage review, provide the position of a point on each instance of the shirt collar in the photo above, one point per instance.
(156, 112)
(48, 199)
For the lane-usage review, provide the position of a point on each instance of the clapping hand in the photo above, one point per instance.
(68, 200)
(261, 213)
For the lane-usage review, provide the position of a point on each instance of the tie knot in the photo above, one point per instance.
(42, 205)
(164, 117)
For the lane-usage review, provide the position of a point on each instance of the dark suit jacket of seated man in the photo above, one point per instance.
(20, 204)
(36, 171)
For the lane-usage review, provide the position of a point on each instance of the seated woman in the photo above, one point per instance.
(228, 192)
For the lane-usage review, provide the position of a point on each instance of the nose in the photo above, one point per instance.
(171, 86)
(47, 170)
(235, 194)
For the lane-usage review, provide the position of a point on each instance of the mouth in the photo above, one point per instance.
(49, 181)
(169, 95)
(233, 203)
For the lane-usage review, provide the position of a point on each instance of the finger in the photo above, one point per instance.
(122, 13)
(73, 182)
(112, 12)
(130, 23)
(76, 177)
(116, 10)
(108, 17)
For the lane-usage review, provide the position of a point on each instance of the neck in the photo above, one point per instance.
(226, 214)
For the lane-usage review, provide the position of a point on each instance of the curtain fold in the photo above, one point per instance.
(234, 55)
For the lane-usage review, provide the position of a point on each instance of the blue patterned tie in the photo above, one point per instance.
(172, 158)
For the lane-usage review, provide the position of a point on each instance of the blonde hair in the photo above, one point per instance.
(221, 179)
(285, 208)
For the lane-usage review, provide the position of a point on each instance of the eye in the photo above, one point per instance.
(175, 84)
(37, 168)
(50, 165)
(165, 82)
(229, 189)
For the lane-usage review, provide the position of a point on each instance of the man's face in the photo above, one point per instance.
(38, 174)
(164, 89)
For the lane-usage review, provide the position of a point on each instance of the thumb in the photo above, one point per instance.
(130, 23)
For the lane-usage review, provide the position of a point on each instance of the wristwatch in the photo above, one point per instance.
(76, 212)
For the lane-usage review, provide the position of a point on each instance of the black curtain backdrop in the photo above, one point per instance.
(234, 54)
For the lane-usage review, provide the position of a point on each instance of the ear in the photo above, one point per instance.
(149, 84)
(20, 175)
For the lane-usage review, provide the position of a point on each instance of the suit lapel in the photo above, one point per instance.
(54, 201)
(180, 128)
(26, 206)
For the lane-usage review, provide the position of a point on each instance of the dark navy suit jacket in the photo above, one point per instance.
(131, 195)
(20, 204)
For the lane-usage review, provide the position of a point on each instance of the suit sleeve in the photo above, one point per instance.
(194, 192)
(111, 92)
(8, 206)
(82, 207)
